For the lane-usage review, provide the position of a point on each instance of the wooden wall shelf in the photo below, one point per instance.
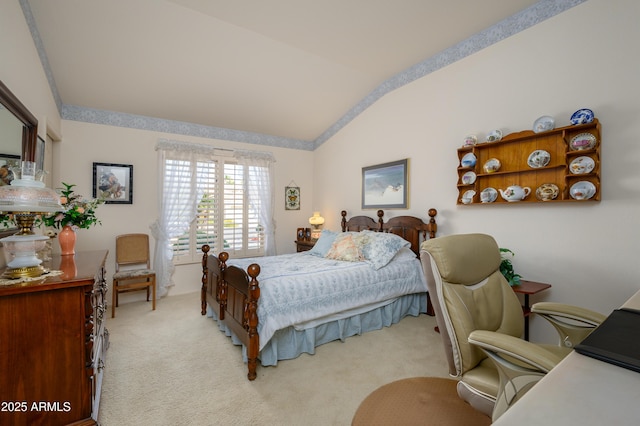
(513, 152)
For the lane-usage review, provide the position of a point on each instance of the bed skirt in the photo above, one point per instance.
(291, 342)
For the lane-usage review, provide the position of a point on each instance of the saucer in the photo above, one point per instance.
(488, 195)
(582, 141)
(544, 124)
(494, 136)
(492, 165)
(582, 190)
(547, 191)
(468, 178)
(469, 160)
(582, 116)
(582, 165)
(538, 158)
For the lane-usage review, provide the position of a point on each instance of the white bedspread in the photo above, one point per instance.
(297, 288)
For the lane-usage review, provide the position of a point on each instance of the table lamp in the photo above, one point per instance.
(26, 198)
(316, 221)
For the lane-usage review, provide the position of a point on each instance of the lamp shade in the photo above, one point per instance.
(316, 220)
(28, 196)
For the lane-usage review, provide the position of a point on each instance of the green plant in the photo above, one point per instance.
(506, 267)
(78, 211)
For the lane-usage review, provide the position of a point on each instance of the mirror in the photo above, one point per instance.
(18, 133)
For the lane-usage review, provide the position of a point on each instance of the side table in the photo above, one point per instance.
(528, 288)
(304, 245)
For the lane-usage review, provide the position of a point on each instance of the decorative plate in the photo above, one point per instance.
(582, 141)
(547, 191)
(467, 197)
(544, 124)
(492, 165)
(582, 116)
(494, 136)
(582, 190)
(469, 160)
(538, 158)
(468, 178)
(470, 140)
(488, 195)
(582, 165)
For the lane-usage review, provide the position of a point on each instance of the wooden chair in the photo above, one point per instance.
(132, 255)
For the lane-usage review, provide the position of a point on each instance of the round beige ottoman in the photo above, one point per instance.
(418, 401)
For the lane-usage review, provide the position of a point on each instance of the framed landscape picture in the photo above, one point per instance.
(385, 185)
(113, 183)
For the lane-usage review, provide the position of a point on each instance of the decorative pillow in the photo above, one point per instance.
(324, 243)
(380, 247)
(345, 247)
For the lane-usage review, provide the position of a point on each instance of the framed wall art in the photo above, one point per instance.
(385, 185)
(8, 163)
(292, 198)
(113, 183)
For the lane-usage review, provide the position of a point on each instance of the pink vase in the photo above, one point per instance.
(67, 240)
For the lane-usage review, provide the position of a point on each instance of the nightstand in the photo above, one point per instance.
(304, 245)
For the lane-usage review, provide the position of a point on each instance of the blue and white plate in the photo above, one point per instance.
(582, 116)
(469, 160)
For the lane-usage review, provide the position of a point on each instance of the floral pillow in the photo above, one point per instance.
(379, 248)
(345, 247)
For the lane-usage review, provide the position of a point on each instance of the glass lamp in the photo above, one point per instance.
(26, 198)
(316, 221)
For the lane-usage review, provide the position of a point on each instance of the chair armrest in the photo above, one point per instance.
(573, 323)
(520, 365)
(533, 355)
(575, 313)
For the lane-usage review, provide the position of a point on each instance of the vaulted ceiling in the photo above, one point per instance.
(290, 69)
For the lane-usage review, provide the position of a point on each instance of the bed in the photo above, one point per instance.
(364, 278)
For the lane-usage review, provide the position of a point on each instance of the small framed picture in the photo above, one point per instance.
(8, 163)
(113, 183)
(292, 198)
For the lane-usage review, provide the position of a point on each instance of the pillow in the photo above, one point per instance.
(380, 247)
(324, 243)
(404, 254)
(345, 247)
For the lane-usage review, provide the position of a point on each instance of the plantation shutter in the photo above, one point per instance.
(206, 228)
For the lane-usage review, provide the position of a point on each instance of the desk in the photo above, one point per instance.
(527, 288)
(580, 391)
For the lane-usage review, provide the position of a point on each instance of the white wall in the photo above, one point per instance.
(580, 58)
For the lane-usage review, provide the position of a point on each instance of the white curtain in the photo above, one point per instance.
(178, 211)
(261, 190)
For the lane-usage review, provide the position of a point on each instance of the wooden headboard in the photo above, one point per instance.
(411, 228)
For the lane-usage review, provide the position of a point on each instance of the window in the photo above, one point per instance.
(226, 219)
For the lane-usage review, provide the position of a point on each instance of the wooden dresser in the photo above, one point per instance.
(53, 344)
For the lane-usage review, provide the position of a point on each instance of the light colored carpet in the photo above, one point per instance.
(173, 366)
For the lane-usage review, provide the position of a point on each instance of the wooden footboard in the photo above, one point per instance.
(233, 295)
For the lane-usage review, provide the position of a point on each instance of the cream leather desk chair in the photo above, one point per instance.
(481, 323)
